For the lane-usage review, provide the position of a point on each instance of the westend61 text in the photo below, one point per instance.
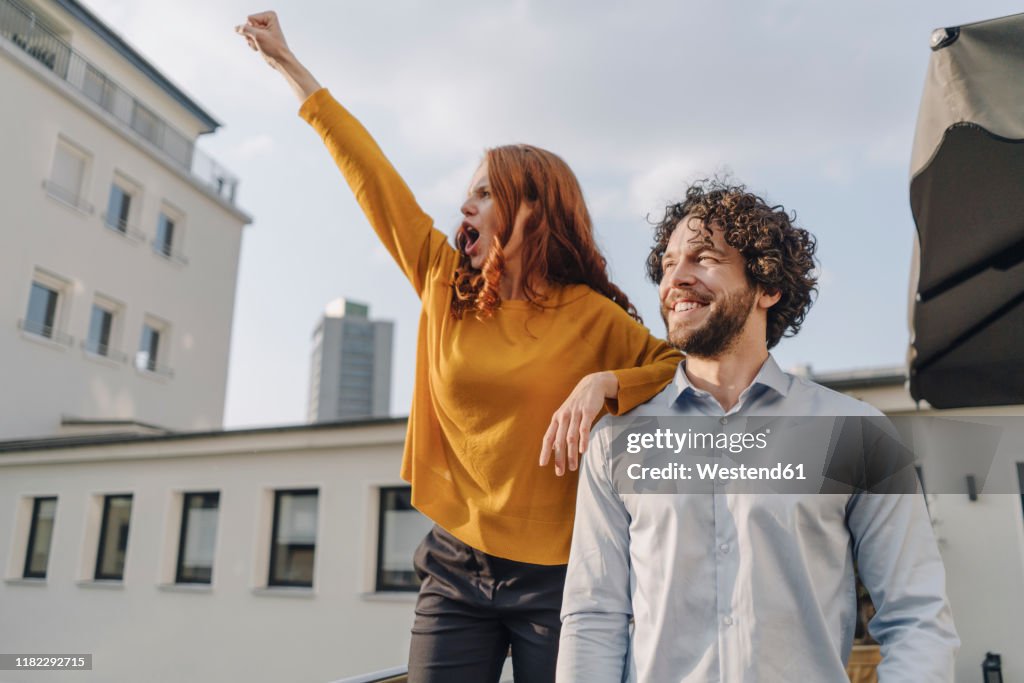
(666, 439)
(716, 472)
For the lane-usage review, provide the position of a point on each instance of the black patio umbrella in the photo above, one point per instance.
(967, 198)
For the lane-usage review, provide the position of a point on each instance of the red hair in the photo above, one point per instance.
(558, 234)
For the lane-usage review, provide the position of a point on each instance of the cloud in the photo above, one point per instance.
(650, 190)
(826, 277)
(612, 86)
(889, 149)
(380, 255)
(836, 170)
(445, 195)
(253, 147)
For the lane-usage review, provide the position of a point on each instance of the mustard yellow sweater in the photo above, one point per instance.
(485, 391)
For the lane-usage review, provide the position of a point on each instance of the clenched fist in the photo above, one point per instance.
(263, 33)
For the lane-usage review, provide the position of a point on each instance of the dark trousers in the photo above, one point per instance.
(473, 606)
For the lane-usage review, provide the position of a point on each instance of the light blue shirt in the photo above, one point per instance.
(748, 587)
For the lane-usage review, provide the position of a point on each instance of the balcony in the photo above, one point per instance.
(98, 348)
(45, 330)
(123, 228)
(146, 363)
(19, 27)
(168, 252)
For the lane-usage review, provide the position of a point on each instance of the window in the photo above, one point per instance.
(46, 310)
(293, 539)
(400, 530)
(117, 511)
(67, 177)
(152, 353)
(98, 88)
(169, 234)
(198, 538)
(149, 346)
(44, 510)
(41, 317)
(164, 243)
(177, 146)
(119, 207)
(153, 347)
(104, 329)
(100, 323)
(146, 123)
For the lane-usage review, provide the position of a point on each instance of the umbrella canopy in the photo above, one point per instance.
(967, 197)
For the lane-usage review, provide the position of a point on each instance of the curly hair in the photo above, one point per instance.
(778, 255)
(558, 232)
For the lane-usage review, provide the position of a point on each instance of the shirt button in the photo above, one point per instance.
(727, 621)
(724, 547)
(724, 420)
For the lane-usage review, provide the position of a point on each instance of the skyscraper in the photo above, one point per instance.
(350, 371)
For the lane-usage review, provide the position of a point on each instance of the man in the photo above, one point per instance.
(726, 586)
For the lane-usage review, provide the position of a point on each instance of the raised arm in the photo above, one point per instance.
(402, 226)
(263, 33)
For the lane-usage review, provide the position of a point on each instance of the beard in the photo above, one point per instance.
(729, 313)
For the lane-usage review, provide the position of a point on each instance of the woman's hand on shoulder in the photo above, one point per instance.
(568, 435)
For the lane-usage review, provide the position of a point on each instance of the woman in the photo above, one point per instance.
(512, 319)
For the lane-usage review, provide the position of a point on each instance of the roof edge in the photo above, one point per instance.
(861, 379)
(121, 46)
(83, 441)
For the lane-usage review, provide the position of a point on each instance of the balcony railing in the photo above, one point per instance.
(41, 329)
(67, 196)
(123, 227)
(146, 363)
(20, 27)
(98, 349)
(169, 252)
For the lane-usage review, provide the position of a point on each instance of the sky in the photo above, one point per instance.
(810, 104)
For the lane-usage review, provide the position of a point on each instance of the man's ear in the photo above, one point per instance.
(767, 298)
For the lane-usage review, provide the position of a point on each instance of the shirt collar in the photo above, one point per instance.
(769, 376)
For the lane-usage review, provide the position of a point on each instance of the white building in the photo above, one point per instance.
(285, 554)
(279, 554)
(119, 240)
(350, 367)
(981, 540)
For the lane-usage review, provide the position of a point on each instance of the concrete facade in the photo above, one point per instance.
(981, 541)
(147, 626)
(78, 118)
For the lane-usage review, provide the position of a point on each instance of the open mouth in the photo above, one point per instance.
(467, 238)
